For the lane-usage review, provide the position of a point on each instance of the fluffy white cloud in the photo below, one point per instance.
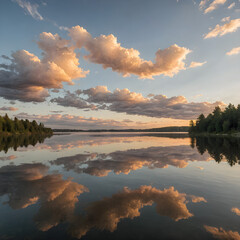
(123, 100)
(221, 30)
(28, 78)
(234, 51)
(105, 50)
(30, 8)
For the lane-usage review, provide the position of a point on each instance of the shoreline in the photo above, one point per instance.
(8, 134)
(236, 135)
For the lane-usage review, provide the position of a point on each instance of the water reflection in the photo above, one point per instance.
(28, 184)
(16, 141)
(107, 213)
(219, 148)
(125, 161)
(41, 203)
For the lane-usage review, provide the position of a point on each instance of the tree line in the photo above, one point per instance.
(227, 121)
(17, 126)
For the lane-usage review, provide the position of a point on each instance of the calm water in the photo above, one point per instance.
(119, 186)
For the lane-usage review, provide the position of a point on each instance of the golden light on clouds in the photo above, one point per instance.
(105, 50)
(220, 30)
(234, 51)
(220, 233)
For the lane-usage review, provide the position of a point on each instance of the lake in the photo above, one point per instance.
(119, 186)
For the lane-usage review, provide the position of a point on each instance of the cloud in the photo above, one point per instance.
(8, 109)
(130, 160)
(30, 8)
(28, 78)
(220, 233)
(236, 210)
(225, 19)
(70, 100)
(228, 27)
(234, 51)
(79, 122)
(105, 50)
(123, 100)
(28, 184)
(214, 5)
(196, 64)
(107, 213)
(232, 5)
(203, 3)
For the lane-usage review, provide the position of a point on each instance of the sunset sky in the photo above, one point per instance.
(88, 64)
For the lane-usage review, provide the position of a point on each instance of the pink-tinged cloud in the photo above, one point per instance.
(28, 78)
(125, 101)
(220, 233)
(105, 50)
(12, 109)
(234, 51)
(107, 213)
(221, 30)
(79, 122)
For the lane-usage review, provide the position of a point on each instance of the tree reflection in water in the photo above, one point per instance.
(16, 141)
(219, 148)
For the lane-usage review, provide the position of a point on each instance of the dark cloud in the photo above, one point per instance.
(125, 101)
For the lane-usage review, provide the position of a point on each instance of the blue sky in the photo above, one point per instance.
(142, 25)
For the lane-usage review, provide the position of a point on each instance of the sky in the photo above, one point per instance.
(88, 64)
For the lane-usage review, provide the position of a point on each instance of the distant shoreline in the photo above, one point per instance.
(183, 129)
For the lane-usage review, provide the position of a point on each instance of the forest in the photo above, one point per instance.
(17, 126)
(226, 121)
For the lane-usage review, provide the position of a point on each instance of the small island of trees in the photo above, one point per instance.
(225, 122)
(17, 126)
